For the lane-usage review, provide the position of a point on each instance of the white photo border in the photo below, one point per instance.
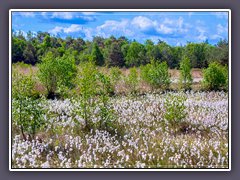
(118, 10)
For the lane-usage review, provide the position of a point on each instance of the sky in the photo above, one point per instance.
(175, 28)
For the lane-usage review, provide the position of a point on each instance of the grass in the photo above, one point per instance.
(142, 138)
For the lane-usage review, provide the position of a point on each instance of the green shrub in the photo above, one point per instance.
(156, 74)
(56, 72)
(215, 77)
(87, 85)
(185, 73)
(132, 80)
(22, 84)
(107, 115)
(115, 75)
(94, 89)
(26, 109)
(175, 111)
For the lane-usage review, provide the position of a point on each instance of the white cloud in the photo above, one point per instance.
(180, 22)
(21, 32)
(27, 14)
(143, 22)
(88, 33)
(87, 18)
(202, 32)
(62, 15)
(190, 14)
(114, 27)
(216, 36)
(221, 14)
(164, 29)
(221, 29)
(202, 37)
(67, 30)
(72, 28)
(88, 13)
(166, 26)
(168, 21)
(56, 30)
(44, 14)
(85, 32)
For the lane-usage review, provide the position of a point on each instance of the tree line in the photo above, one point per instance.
(112, 51)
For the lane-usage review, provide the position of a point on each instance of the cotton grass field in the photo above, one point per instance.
(142, 139)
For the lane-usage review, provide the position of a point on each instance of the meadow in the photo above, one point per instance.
(114, 102)
(118, 120)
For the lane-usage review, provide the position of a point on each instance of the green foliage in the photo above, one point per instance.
(46, 43)
(116, 51)
(22, 84)
(107, 115)
(115, 56)
(97, 55)
(18, 46)
(85, 57)
(87, 81)
(223, 52)
(197, 53)
(27, 110)
(164, 53)
(55, 72)
(175, 111)
(215, 77)
(135, 55)
(132, 80)
(185, 73)
(28, 115)
(156, 74)
(95, 89)
(30, 54)
(115, 75)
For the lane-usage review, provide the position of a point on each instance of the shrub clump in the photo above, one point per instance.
(215, 77)
(94, 91)
(57, 73)
(132, 80)
(185, 73)
(27, 110)
(175, 109)
(156, 74)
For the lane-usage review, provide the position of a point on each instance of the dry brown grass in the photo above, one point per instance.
(121, 87)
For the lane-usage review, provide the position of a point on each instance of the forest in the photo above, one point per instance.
(115, 52)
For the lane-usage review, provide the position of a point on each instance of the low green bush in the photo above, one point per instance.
(215, 77)
(26, 109)
(156, 74)
(175, 109)
(132, 80)
(56, 72)
(185, 73)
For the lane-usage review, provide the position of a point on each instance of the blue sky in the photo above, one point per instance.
(175, 28)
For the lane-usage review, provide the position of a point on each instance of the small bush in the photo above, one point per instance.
(56, 72)
(156, 74)
(132, 80)
(27, 110)
(175, 111)
(215, 77)
(107, 115)
(185, 73)
(115, 75)
(87, 85)
(94, 89)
